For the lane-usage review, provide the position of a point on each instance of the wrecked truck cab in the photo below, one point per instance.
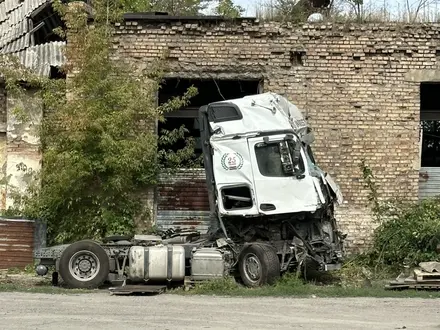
(263, 176)
(264, 183)
(272, 209)
(258, 158)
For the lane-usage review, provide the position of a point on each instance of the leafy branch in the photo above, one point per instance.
(100, 151)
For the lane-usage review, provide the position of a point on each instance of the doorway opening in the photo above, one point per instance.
(430, 141)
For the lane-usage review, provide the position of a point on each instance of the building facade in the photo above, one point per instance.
(369, 92)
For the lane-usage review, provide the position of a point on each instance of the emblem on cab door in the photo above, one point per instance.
(232, 161)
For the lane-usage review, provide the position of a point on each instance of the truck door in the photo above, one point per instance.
(282, 185)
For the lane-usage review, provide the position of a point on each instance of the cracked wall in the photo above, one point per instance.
(358, 85)
(22, 143)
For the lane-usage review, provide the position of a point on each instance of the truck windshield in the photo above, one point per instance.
(269, 161)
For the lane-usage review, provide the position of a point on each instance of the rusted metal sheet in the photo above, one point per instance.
(429, 182)
(183, 200)
(16, 243)
(198, 220)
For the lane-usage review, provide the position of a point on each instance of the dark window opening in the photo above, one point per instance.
(297, 57)
(44, 21)
(224, 113)
(56, 73)
(209, 90)
(237, 198)
(430, 123)
(270, 161)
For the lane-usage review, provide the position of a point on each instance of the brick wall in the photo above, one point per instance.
(358, 86)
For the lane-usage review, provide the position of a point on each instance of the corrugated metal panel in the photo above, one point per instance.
(13, 15)
(429, 182)
(3, 13)
(17, 45)
(41, 57)
(17, 15)
(14, 32)
(198, 220)
(4, 26)
(183, 200)
(10, 5)
(31, 5)
(16, 243)
(15, 10)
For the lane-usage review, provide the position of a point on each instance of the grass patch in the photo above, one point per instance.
(23, 280)
(290, 286)
(13, 287)
(29, 269)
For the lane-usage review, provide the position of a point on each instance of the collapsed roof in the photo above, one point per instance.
(26, 30)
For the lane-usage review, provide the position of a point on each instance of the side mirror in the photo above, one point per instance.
(309, 138)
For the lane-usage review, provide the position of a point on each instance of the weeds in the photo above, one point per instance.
(291, 286)
(408, 232)
(14, 287)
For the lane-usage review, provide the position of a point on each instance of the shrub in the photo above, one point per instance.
(408, 232)
(411, 236)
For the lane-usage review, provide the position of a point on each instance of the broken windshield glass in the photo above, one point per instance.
(276, 160)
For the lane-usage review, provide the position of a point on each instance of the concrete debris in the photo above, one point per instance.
(430, 267)
(426, 276)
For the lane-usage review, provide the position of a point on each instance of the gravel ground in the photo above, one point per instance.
(103, 311)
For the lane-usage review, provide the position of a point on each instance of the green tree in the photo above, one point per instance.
(227, 8)
(358, 7)
(298, 10)
(99, 149)
(173, 7)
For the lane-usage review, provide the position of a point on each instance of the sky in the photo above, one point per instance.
(393, 6)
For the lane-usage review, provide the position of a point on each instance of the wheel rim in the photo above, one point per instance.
(252, 268)
(84, 266)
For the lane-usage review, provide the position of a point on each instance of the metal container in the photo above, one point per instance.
(157, 263)
(207, 263)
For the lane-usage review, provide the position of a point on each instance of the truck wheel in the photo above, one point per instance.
(259, 265)
(84, 265)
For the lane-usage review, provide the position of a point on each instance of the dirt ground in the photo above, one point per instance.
(104, 311)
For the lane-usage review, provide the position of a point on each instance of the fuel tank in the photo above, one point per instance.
(157, 263)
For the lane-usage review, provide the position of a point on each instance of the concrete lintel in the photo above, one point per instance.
(423, 75)
(216, 75)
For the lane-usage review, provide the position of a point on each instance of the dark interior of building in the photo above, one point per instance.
(44, 21)
(430, 121)
(208, 91)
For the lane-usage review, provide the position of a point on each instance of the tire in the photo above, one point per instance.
(259, 265)
(84, 265)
